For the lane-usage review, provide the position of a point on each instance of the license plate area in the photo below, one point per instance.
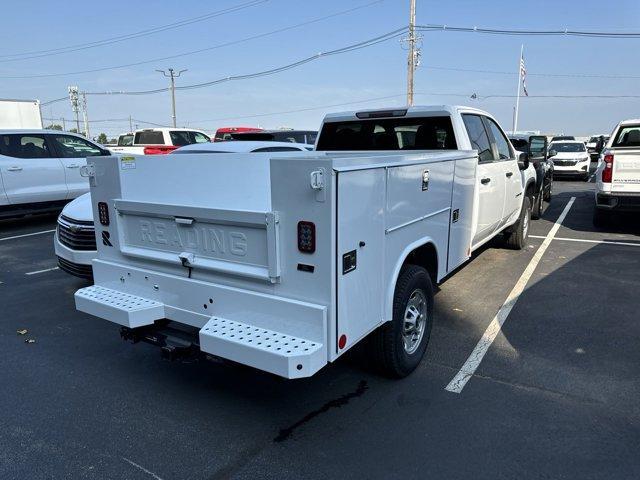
(242, 243)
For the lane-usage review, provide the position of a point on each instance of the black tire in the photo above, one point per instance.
(516, 236)
(547, 195)
(386, 345)
(538, 208)
(586, 177)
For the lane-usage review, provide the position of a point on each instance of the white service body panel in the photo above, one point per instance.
(212, 242)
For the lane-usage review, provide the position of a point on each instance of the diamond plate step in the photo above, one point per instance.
(119, 307)
(268, 350)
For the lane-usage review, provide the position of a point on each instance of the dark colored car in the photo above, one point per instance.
(536, 147)
(294, 136)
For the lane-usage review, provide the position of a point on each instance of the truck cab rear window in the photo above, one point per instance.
(424, 133)
(149, 138)
(628, 136)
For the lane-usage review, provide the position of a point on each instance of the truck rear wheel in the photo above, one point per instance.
(397, 347)
(516, 236)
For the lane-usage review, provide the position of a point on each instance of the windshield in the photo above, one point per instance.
(593, 139)
(422, 133)
(125, 140)
(628, 136)
(567, 147)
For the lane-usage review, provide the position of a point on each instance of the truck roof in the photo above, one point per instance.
(170, 129)
(414, 111)
(630, 121)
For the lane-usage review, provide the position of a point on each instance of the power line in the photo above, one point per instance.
(201, 50)
(533, 74)
(349, 48)
(121, 38)
(496, 31)
(471, 96)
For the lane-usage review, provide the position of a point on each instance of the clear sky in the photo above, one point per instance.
(377, 71)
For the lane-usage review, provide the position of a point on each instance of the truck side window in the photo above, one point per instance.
(502, 144)
(478, 137)
(24, 146)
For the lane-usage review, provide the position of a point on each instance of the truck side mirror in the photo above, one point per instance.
(523, 161)
(552, 153)
(538, 146)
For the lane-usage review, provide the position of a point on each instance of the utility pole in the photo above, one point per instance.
(130, 125)
(85, 115)
(73, 96)
(64, 125)
(413, 58)
(172, 75)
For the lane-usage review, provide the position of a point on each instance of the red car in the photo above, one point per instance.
(224, 133)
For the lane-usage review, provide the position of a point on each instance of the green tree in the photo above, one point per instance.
(102, 138)
(54, 126)
(74, 130)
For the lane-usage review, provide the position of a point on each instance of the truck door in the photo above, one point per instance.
(360, 260)
(73, 152)
(505, 154)
(30, 171)
(490, 178)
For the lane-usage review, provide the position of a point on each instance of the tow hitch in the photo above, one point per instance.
(175, 344)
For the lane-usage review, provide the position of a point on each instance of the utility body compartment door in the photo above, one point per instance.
(360, 253)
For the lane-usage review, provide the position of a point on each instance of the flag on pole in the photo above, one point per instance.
(523, 76)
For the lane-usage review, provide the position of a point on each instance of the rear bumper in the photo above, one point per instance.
(275, 334)
(618, 201)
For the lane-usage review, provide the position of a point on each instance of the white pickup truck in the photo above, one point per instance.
(285, 261)
(618, 173)
(154, 141)
(40, 170)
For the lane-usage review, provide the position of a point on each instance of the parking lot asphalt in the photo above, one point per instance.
(555, 396)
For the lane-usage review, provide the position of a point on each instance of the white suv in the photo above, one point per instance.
(570, 157)
(40, 169)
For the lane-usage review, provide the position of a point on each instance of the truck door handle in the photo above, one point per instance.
(509, 174)
(14, 169)
(484, 181)
(73, 165)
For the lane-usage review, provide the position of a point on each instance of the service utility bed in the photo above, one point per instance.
(214, 241)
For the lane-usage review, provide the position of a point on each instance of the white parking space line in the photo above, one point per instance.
(607, 242)
(27, 235)
(141, 468)
(42, 271)
(468, 369)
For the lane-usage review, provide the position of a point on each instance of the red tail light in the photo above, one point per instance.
(306, 237)
(607, 172)
(159, 149)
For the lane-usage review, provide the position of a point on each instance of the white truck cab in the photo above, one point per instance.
(618, 172)
(285, 261)
(154, 141)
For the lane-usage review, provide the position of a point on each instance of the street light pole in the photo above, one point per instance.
(172, 75)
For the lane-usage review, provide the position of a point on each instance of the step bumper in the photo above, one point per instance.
(123, 308)
(268, 350)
